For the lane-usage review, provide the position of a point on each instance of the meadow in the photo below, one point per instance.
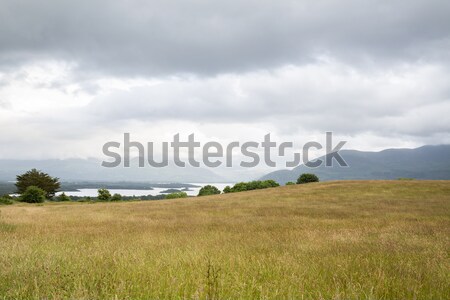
(331, 240)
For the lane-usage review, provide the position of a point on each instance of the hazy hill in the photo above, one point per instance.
(427, 162)
(91, 170)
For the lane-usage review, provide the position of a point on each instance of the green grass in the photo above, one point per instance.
(335, 240)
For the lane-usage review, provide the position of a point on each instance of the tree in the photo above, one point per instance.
(33, 194)
(270, 183)
(227, 189)
(240, 187)
(116, 197)
(103, 195)
(176, 195)
(208, 190)
(39, 179)
(290, 183)
(252, 185)
(307, 178)
(63, 198)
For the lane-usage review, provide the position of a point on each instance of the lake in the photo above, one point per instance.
(193, 191)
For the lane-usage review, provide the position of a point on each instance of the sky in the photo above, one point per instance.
(77, 74)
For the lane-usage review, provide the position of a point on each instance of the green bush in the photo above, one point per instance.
(63, 198)
(103, 195)
(7, 196)
(33, 194)
(252, 185)
(116, 197)
(6, 200)
(307, 178)
(208, 190)
(270, 183)
(176, 195)
(290, 183)
(239, 187)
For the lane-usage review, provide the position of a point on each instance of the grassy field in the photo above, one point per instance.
(335, 240)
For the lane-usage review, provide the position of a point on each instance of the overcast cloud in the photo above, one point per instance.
(76, 74)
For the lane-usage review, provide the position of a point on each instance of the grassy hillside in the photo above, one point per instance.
(341, 240)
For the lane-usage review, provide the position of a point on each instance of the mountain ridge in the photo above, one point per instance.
(425, 162)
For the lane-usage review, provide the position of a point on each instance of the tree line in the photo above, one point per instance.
(35, 186)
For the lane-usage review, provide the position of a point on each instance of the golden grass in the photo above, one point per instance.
(335, 240)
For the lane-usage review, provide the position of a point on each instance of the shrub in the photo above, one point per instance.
(39, 179)
(7, 196)
(307, 178)
(63, 198)
(33, 194)
(270, 183)
(103, 195)
(290, 183)
(176, 195)
(240, 187)
(208, 190)
(252, 185)
(116, 197)
(6, 200)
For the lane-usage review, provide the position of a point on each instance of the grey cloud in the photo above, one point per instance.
(315, 97)
(152, 38)
(359, 68)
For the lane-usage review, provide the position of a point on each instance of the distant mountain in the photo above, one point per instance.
(91, 170)
(427, 162)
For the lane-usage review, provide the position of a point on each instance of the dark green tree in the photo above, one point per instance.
(252, 185)
(116, 197)
(208, 190)
(270, 183)
(240, 187)
(33, 194)
(290, 183)
(103, 195)
(40, 179)
(307, 178)
(63, 198)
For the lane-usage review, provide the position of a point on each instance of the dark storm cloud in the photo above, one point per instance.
(152, 38)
